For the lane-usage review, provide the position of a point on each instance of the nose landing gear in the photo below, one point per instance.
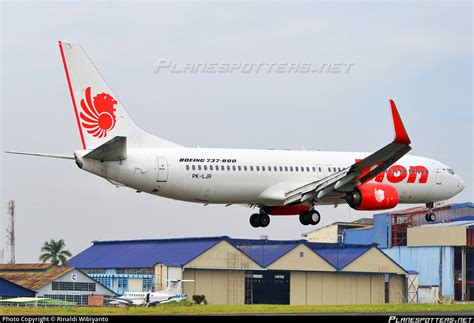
(430, 216)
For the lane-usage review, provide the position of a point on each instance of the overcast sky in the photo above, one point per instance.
(419, 54)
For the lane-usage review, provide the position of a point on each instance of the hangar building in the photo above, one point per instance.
(240, 271)
(46, 280)
(441, 252)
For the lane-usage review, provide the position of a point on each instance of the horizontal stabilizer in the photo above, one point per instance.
(40, 155)
(113, 150)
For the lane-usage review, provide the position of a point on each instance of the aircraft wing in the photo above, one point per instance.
(360, 172)
(118, 300)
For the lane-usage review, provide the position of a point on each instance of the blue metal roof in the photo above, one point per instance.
(264, 252)
(9, 289)
(340, 255)
(178, 252)
(142, 253)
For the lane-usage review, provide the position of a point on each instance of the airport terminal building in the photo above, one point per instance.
(242, 271)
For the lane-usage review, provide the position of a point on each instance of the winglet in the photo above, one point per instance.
(401, 136)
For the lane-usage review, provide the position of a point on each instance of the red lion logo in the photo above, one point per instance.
(98, 117)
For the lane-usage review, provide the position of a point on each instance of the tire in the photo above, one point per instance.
(303, 218)
(315, 217)
(264, 220)
(432, 217)
(255, 220)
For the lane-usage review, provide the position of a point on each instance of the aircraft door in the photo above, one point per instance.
(439, 174)
(162, 169)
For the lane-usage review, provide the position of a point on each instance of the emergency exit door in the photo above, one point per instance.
(162, 169)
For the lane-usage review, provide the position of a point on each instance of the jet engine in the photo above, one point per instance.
(368, 197)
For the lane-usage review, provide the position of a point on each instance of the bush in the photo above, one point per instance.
(200, 299)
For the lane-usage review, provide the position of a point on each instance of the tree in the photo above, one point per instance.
(53, 251)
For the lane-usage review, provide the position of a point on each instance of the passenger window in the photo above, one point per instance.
(217, 167)
(233, 168)
(187, 167)
(251, 168)
(228, 167)
(222, 167)
(296, 168)
(291, 168)
(320, 169)
(307, 169)
(205, 167)
(239, 168)
(275, 168)
(334, 169)
(314, 169)
(281, 168)
(263, 168)
(269, 168)
(193, 167)
(210, 167)
(245, 168)
(286, 168)
(257, 168)
(199, 167)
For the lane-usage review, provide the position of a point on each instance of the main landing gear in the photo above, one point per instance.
(259, 220)
(310, 217)
(262, 219)
(430, 216)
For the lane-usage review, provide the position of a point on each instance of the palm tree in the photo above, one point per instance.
(53, 251)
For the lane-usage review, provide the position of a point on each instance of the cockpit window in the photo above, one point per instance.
(450, 171)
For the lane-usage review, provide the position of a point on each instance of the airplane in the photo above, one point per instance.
(277, 182)
(170, 294)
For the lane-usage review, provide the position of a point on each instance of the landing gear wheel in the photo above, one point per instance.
(314, 217)
(310, 217)
(303, 219)
(255, 220)
(264, 220)
(430, 217)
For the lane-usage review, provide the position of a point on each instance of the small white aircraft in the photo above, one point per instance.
(278, 182)
(170, 294)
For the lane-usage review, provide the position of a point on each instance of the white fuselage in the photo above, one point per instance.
(261, 177)
(143, 298)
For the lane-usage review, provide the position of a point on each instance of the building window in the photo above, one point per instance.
(73, 286)
(147, 284)
(122, 283)
(106, 281)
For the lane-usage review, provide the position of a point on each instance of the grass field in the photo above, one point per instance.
(190, 309)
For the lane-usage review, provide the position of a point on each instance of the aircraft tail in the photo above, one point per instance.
(100, 115)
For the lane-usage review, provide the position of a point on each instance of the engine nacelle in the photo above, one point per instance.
(373, 197)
